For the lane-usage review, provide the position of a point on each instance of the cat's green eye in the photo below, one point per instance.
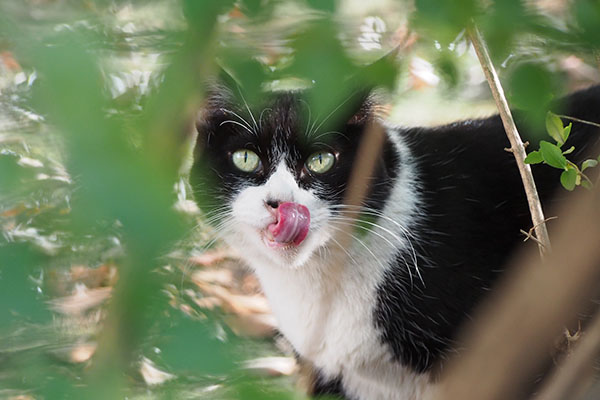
(320, 162)
(245, 160)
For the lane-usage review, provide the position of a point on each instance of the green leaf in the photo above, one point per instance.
(531, 88)
(567, 131)
(571, 149)
(210, 354)
(552, 155)
(323, 5)
(588, 164)
(586, 184)
(535, 157)
(17, 292)
(568, 179)
(555, 128)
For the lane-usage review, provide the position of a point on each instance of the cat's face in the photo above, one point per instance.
(273, 181)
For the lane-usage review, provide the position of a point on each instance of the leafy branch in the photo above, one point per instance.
(554, 156)
(517, 145)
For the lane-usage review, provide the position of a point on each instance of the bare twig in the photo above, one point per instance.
(517, 146)
(583, 121)
(529, 234)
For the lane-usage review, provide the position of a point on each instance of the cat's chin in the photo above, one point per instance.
(284, 255)
(286, 249)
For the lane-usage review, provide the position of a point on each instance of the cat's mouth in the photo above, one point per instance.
(291, 227)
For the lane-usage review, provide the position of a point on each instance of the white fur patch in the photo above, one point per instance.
(331, 322)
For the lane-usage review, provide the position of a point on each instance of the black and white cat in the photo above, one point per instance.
(445, 204)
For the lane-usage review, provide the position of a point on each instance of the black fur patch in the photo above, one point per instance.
(473, 206)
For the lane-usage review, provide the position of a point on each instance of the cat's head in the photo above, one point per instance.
(272, 179)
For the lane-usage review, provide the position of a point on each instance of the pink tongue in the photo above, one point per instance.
(293, 221)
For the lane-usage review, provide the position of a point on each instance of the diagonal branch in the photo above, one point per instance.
(517, 146)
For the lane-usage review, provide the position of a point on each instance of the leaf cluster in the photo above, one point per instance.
(553, 155)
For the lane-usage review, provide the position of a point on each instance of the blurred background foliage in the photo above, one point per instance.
(101, 241)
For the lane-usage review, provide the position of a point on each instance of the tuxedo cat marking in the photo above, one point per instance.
(444, 209)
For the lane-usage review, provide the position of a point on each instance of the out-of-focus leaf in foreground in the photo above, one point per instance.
(118, 181)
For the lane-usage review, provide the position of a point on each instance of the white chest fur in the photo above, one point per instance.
(331, 324)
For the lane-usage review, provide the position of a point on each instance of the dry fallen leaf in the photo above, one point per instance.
(236, 303)
(104, 275)
(252, 325)
(208, 303)
(211, 257)
(152, 375)
(82, 300)
(9, 61)
(235, 290)
(12, 212)
(219, 276)
(272, 366)
(82, 352)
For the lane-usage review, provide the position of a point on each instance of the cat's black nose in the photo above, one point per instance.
(272, 203)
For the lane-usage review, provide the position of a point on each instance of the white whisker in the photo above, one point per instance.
(261, 115)
(361, 243)
(238, 116)
(404, 231)
(249, 111)
(329, 116)
(236, 123)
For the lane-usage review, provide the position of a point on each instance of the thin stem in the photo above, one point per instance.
(517, 147)
(583, 121)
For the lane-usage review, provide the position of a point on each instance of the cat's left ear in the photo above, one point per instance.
(219, 95)
(365, 103)
(219, 98)
(373, 81)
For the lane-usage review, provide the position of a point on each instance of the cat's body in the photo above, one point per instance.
(446, 203)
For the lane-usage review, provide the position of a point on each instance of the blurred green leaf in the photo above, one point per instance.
(535, 157)
(323, 5)
(190, 345)
(382, 73)
(501, 24)
(256, 389)
(446, 65)
(552, 155)
(569, 178)
(18, 294)
(321, 59)
(588, 164)
(567, 131)
(531, 87)
(569, 150)
(555, 128)
(246, 72)
(445, 19)
(11, 173)
(587, 14)
(254, 8)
